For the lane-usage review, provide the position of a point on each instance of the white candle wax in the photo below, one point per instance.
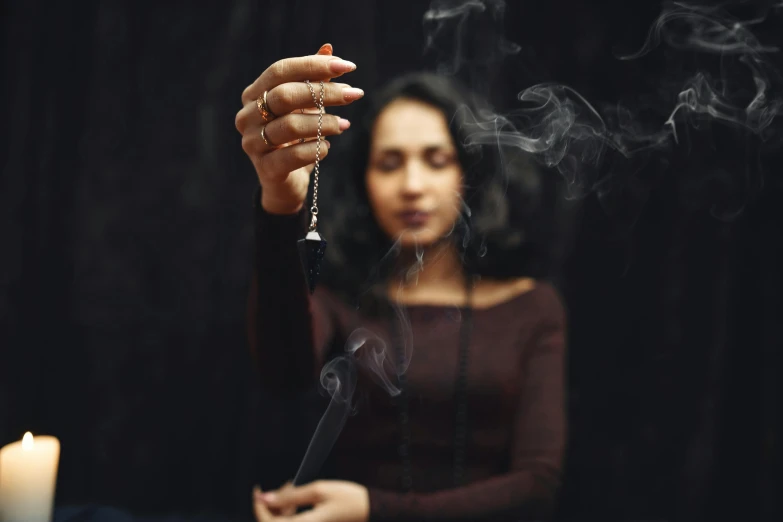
(28, 473)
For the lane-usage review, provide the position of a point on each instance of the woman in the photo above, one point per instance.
(477, 431)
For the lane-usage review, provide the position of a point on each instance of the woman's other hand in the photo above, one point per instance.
(331, 501)
(284, 161)
(264, 513)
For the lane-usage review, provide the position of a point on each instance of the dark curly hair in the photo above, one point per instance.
(493, 237)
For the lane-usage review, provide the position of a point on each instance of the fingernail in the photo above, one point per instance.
(341, 66)
(344, 124)
(328, 145)
(269, 497)
(352, 93)
(325, 49)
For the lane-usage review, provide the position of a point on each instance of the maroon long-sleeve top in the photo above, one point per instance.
(515, 389)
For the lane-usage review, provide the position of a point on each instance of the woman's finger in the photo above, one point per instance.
(294, 127)
(314, 68)
(290, 510)
(277, 164)
(290, 97)
(296, 97)
(306, 495)
(289, 130)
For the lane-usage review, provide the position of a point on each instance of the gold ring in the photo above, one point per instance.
(263, 108)
(263, 137)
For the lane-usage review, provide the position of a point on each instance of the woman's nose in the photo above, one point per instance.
(413, 178)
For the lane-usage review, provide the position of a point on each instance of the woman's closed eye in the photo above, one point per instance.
(389, 161)
(439, 158)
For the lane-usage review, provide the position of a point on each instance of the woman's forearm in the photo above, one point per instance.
(287, 328)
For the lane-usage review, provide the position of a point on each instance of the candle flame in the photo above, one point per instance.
(27, 441)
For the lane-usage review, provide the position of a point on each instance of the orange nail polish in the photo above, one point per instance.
(326, 49)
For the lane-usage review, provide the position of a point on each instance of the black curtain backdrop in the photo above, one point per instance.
(126, 240)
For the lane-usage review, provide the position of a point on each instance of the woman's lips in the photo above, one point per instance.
(414, 218)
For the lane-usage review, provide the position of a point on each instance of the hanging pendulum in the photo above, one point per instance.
(313, 247)
(311, 251)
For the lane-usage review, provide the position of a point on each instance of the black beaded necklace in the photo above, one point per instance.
(460, 395)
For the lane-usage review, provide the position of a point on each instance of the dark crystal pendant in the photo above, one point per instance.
(311, 252)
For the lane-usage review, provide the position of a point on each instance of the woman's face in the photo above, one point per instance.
(414, 178)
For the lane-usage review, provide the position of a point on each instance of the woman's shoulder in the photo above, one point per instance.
(524, 295)
(491, 292)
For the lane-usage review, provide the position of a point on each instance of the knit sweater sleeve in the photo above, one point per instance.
(289, 330)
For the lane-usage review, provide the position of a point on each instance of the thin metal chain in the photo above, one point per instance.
(319, 104)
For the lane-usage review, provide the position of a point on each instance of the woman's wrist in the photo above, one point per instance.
(278, 205)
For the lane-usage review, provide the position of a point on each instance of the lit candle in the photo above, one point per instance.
(28, 472)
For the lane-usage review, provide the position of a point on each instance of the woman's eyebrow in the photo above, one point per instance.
(427, 149)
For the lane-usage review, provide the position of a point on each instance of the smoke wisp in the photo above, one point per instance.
(596, 148)
(728, 84)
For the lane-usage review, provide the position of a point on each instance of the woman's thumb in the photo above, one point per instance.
(259, 508)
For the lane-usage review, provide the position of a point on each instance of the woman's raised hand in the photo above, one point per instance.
(284, 154)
